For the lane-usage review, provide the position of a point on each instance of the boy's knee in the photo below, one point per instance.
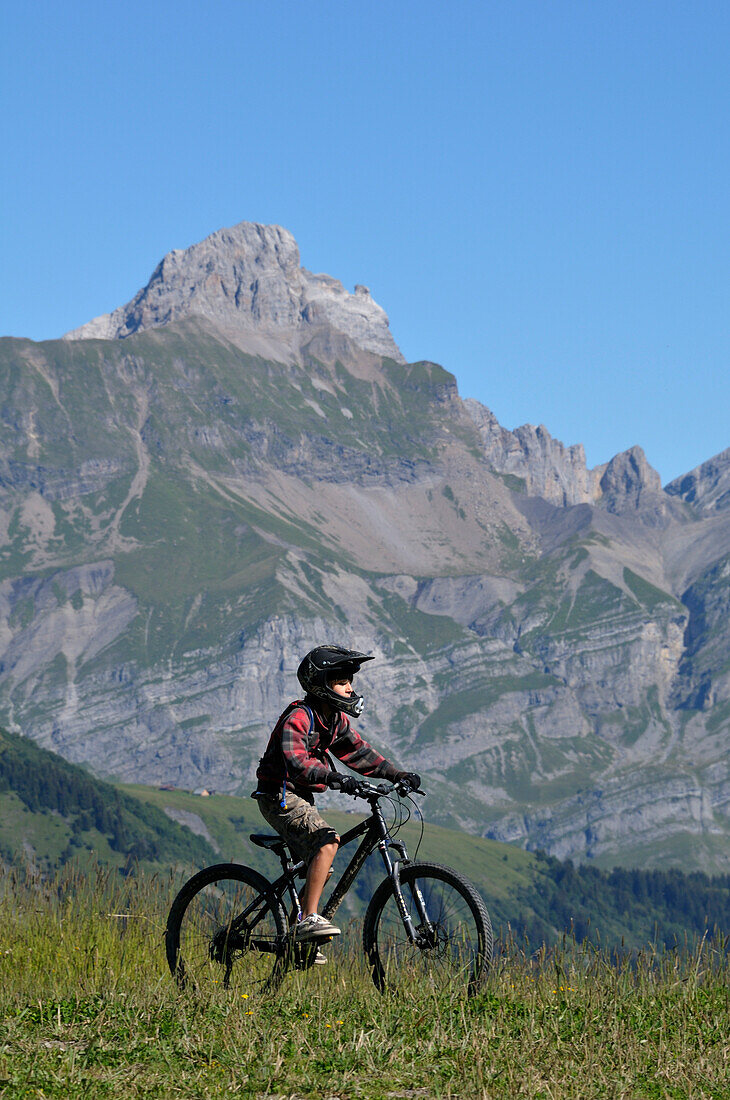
(326, 838)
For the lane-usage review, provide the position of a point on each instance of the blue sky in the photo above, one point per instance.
(535, 192)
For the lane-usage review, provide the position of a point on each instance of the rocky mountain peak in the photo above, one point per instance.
(180, 518)
(545, 466)
(707, 486)
(629, 482)
(247, 280)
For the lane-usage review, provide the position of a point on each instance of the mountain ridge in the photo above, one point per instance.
(182, 517)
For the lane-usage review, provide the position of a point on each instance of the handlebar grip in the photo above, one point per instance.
(404, 787)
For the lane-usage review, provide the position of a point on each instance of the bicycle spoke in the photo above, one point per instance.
(453, 935)
(226, 934)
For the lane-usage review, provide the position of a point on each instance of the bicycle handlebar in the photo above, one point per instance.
(370, 790)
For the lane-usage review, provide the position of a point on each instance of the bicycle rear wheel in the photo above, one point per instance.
(453, 945)
(226, 929)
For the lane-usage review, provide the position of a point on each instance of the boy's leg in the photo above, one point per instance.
(309, 838)
(313, 840)
(317, 874)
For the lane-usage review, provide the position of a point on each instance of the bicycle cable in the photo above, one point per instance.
(393, 826)
(402, 814)
(420, 817)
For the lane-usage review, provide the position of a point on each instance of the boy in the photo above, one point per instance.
(295, 765)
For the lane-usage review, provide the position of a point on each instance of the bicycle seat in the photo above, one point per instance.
(271, 843)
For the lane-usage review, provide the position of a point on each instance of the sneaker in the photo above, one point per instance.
(314, 927)
(319, 959)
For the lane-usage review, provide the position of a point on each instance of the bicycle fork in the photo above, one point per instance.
(392, 866)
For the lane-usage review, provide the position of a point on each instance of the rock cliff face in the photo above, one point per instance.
(248, 281)
(183, 513)
(537, 463)
(708, 486)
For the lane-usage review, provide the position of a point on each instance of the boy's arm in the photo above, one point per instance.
(354, 751)
(302, 768)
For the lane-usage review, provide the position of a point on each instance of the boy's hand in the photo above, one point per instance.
(345, 783)
(413, 780)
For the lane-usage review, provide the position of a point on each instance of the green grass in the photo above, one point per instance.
(47, 833)
(512, 481)
(52, 811)
(414, 629)
(89, 1010)
(648, 594)
(471, 701)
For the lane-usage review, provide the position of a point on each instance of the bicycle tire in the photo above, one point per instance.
(209, 943)
(456, 941)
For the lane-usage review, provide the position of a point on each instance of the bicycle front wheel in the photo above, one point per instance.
(453, 945)
(227, 929)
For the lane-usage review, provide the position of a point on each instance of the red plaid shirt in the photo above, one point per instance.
(297, 754)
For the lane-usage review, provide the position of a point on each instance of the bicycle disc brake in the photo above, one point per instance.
(429, 938)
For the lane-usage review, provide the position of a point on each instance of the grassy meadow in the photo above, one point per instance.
(89, 1010)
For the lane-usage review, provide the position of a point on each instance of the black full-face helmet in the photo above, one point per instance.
(328, 662)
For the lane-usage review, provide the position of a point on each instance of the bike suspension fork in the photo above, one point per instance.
(392, 867)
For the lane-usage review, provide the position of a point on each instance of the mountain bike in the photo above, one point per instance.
(230, 926)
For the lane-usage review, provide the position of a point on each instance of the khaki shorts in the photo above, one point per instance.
(301, 825)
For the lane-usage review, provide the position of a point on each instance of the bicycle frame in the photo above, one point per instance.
(375, 835)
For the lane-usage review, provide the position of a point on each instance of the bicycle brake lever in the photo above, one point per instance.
(405, 789)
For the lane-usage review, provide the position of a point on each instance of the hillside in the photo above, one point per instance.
(239, 464)
(52, 811)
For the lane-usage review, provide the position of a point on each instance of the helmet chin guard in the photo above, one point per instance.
(328, 662)
(354, 705)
